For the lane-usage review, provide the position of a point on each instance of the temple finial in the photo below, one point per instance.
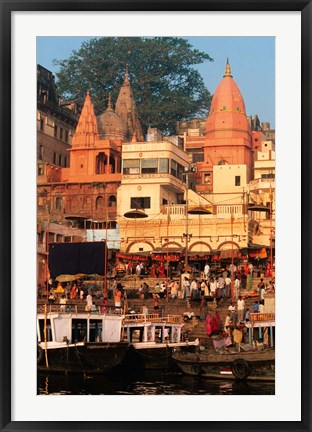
(109, 102)
(227, 69)
(126, 81)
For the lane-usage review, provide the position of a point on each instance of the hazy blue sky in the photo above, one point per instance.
(252, 60)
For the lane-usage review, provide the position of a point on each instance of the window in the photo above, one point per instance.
(59, 238)
(207, 178)
(131, 166)
(66, 135)
(54, 158)
(198, 157)
(58, 203)
(140, 202)
(149, 166)
(55, 131)
(65, 161)
(61, 133)
(164, 201)
(181, 171)
(112, 201)
(60, 160)
(41, 152)
(268, 176)
(100, 203)
(41, 124)
(174, 168)
(164, 165)
(237, 180)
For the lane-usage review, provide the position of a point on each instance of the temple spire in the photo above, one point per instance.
(126, 109)
(109, 103)
(87, 128)
(227, 69)
(126, 81)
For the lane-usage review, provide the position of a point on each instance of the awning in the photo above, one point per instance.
(164, 250)
(200, 254)
(227, 253)
(258, 253)
(133, 256)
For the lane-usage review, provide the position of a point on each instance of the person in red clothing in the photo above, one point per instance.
(161, 270)
(208, 325)
(216, 323)
(74, 291)
(104, 304)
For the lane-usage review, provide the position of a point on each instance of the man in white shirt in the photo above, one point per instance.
(89, 302)
(227, 282)
(236, 287)
(206, 271)
(261, 307)
(240, 308)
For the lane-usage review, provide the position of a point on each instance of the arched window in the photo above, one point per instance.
(112, 201)
(100, 203)
(100, 163)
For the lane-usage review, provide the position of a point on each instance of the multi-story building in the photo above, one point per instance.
(56, 123)
(83, 195)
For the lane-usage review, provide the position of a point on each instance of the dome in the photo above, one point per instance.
(111, 125)
(227, 111)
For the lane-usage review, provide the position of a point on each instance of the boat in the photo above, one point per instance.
(251, 365)
(251, 361)
(153, 339)
(73, 342)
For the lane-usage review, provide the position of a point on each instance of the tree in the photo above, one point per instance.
(166, 86)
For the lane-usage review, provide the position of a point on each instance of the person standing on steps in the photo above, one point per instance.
(206, 271)
(208, 324)
(240, 308)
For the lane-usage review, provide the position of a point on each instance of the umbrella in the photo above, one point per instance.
(66, 278)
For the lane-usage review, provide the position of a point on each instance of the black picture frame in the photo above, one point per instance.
(7, 7)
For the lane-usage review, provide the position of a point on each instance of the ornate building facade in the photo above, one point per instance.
(195, 207)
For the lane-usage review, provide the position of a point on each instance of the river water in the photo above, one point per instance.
(150, 382)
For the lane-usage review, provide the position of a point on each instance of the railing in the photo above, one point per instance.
(75, 308)
(141, 318)
(262, 316)
(131, 318)
(173, 210)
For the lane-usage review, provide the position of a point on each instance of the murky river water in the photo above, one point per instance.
(146, 383)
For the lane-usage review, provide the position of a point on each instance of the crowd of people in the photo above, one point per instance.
(227, 283)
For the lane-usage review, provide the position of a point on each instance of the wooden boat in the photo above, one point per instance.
(79, 341)
(251, 365)
(242, 361)
(153, 340)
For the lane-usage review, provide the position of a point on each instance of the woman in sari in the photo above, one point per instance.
(216, 323)
(208, 325)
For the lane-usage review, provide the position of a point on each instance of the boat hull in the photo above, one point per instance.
(242, 365)
(156, 356)
(81, 358)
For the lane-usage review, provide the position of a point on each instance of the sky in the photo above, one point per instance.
(252, 61)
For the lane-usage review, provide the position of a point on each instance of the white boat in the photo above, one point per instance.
(79, 342)
(153, 340)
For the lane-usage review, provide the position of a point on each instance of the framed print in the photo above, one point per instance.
(106, 121)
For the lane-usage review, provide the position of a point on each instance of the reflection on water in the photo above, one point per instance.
(147, 383)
